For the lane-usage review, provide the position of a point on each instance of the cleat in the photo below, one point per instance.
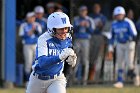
(137, 81)
(118, 85)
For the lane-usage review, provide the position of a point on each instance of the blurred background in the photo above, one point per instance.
(101, 66)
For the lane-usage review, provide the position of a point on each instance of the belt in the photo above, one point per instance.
(45, 77)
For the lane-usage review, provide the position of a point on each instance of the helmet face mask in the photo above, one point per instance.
(58, 20)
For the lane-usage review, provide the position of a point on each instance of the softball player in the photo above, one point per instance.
(39, 13)
(29, 31)
(53, 48)
(83, 28)
(123, 32)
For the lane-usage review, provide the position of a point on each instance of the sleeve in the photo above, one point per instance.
(138, 25)
(22, 33)
(92, 24)
(38, 28)
(138, 28)
(132, 28)
(21, 30)
(45, 24)
(104, 19)
(76, 24)
(44, 59)
(42, 47)
(91, 28)
(111, 40)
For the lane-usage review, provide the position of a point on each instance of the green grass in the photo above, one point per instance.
(104, 90)
(91, 89)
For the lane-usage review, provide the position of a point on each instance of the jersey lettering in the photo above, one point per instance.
(54, 52)
(118, 30)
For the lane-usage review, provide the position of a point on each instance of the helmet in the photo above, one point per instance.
(58, 20)
(39, 9)
(119, 10)
(82, 8)
(30, 14)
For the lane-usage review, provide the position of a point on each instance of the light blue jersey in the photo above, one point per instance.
(43, 23)
(47, 54)
(122, 31)
(83, 32)
(27, 27)
(98, 18)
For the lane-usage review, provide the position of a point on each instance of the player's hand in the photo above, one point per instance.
(100, 25)
(33, 27)
(72, 60)
(87, 24)
(65, 53)
(31, 32)
(109, 56)
(83, 23)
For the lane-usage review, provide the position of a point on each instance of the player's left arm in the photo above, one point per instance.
(38, 29)
(91, 27)
(71, 60)
(111, 41)
(42, 54)
(131, 28)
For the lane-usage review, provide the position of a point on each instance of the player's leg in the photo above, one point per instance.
(94, 49)
(138, 52)
(130, 53)
(91, 59)
(34, 51)
(77, 73)
(85, 57)
(58, 85)
(137, 70)
(35, 85)
(27, 50)
(94, 55)
(119, 65)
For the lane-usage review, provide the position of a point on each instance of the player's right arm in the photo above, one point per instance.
(110, 45)
(76, 23)
(111, 39)
(21, 30)
(23, 33)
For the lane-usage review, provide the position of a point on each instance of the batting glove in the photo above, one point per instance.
(65, 53)
(72, 60)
